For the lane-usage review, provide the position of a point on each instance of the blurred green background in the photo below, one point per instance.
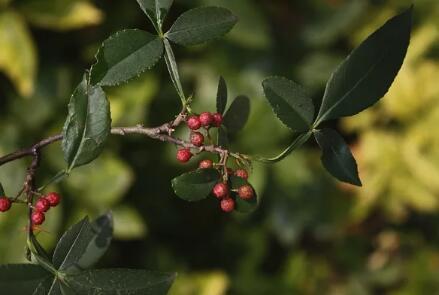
(311, 234)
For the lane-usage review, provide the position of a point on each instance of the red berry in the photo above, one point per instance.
(245, 192)
(197, 138)
(205, 164)
(206, 119)
(241, 173)
(220, 190)
(53, 198)
(5, 204)
(217, 119)
(42, 205)
(227, 204)
(37, 217)
(184, 155)
(193, 122)
(229, 171)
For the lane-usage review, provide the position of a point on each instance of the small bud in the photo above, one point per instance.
(205, 164)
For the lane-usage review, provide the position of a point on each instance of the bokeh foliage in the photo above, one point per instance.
(309, 233)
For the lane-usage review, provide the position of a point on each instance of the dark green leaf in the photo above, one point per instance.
(223, 139)
(368, 72)
(55, 288)
(290, 103)
(337, 157)
(21, 278)
(221, 96)
(200, 25)
(39, 250)
(91, 242)
(156, 10)
(173, 70)
(243, 206)
(2, 191)
(297, 142)
(124, 55)
(87, 126)
(196, 185)
(121, 281)
(44, 286)
(237, 114)
(67, 240)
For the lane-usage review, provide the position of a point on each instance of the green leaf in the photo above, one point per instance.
(290, 103)
(200, 25)
(223, 138)
(2, 191)
(87, 126)
(337, 157)
(21, 278)
(237, 114)
(221, 96)
(173, 70)
(67, 240)
(368, 72)
(196, 185)
(124, 55)
(297, 142)
(243, 206)
(38, 249)
(156, 10)
(84, 244)
(44, 286)
(121, 281)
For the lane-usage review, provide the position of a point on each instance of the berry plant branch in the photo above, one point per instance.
(353, 87)
(162, 133)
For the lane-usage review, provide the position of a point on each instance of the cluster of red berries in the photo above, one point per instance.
(41, 206)
(205, 120)
(222, 191)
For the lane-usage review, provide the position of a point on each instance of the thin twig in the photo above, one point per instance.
(162, 133)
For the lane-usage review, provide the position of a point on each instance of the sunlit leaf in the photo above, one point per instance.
(60, 14)
(18, 58)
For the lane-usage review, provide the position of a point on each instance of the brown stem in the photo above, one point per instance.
(162, 133)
